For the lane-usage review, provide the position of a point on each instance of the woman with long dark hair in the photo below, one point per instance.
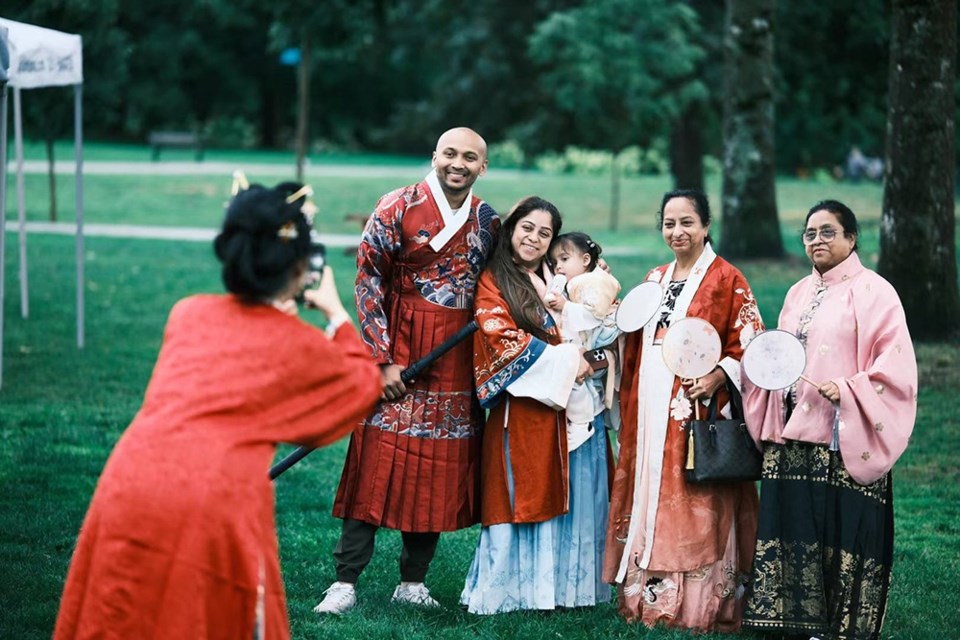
(543, 522)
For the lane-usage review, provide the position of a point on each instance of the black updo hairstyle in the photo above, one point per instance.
(851, 228)
(258, 258)
(582, 243)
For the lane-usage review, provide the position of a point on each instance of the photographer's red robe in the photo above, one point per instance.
(179, 540)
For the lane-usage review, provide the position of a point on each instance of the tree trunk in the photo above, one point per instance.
(686, 149)
(268, 112)
(614, 191)
(51, 179)
(303, 103)
(750, 225)
(917, 237)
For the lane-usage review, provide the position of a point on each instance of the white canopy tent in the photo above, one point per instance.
(38, 57)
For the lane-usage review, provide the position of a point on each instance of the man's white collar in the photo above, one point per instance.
(452, 220)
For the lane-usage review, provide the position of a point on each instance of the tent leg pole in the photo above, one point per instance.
(78, 151)
(21, 203)
(3, 214)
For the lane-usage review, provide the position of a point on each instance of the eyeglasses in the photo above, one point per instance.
(827, 234)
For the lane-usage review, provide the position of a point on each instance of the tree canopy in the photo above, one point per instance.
(388, 75)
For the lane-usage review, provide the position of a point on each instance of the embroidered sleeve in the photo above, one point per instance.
(504, 354)
(504, 350)
(743, 324)
(377, 254)
(878, 404)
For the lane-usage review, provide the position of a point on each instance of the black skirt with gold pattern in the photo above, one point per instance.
(824, 547)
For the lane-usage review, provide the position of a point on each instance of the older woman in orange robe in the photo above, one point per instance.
(179, 540)
(680, 552)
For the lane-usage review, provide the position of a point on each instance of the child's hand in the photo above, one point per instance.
(556, 303)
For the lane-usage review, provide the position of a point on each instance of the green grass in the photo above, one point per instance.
(117, 152)
(62, 409)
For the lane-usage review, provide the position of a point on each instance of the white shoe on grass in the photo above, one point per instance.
(339, 598)
(415, 593)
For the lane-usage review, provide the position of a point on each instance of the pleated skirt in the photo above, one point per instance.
(551, 564)
(414, 465)
(824, 547)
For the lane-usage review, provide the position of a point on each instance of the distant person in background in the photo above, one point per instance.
(414, 464)
(859, 166)
(179, 540)
(825, 540)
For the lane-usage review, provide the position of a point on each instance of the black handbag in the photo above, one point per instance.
(721, 450)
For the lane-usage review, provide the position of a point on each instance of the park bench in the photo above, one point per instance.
(175, 140)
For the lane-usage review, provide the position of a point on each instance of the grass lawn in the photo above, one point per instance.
(61, 410)
(116, 152)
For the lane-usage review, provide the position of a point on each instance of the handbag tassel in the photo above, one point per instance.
(690, 450)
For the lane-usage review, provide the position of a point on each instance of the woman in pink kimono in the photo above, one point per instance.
(825, 539)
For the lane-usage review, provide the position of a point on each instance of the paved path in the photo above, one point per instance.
(191, 234)
(253, 170)
(199, 234)
(257, 170)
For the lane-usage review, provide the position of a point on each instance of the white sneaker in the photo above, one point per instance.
(415, 593)
(339, 598)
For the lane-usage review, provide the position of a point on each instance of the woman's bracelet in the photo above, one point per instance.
(334, 323)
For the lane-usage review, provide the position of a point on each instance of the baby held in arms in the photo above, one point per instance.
(583, 299)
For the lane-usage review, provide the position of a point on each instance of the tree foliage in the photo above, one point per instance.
(831, 81)
(546, 73)
(615, 72)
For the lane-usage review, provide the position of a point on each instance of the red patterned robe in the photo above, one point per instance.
(179, 540)
(533, 420)
(680, 552)
(414, 464)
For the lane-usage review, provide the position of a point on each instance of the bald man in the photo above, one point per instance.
(414, 464)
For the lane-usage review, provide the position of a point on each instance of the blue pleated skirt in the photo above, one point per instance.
(545, 565)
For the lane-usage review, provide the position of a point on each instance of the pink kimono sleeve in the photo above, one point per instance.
(878, 404)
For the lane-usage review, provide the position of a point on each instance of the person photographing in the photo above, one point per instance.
(179, 540)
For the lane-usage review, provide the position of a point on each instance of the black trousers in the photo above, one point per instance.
(355, 548)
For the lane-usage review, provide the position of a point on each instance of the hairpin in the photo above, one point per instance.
(288, 231)
(309, 209)
(306, 191)
(240, 183)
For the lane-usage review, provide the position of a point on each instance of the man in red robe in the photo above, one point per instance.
(414, 464)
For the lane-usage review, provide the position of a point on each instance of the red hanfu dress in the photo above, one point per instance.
(179, 540)
(414, 464)
(680, 552)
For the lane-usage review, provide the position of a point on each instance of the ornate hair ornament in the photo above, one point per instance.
(309, 209)
(288, 231)
(240, 183)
